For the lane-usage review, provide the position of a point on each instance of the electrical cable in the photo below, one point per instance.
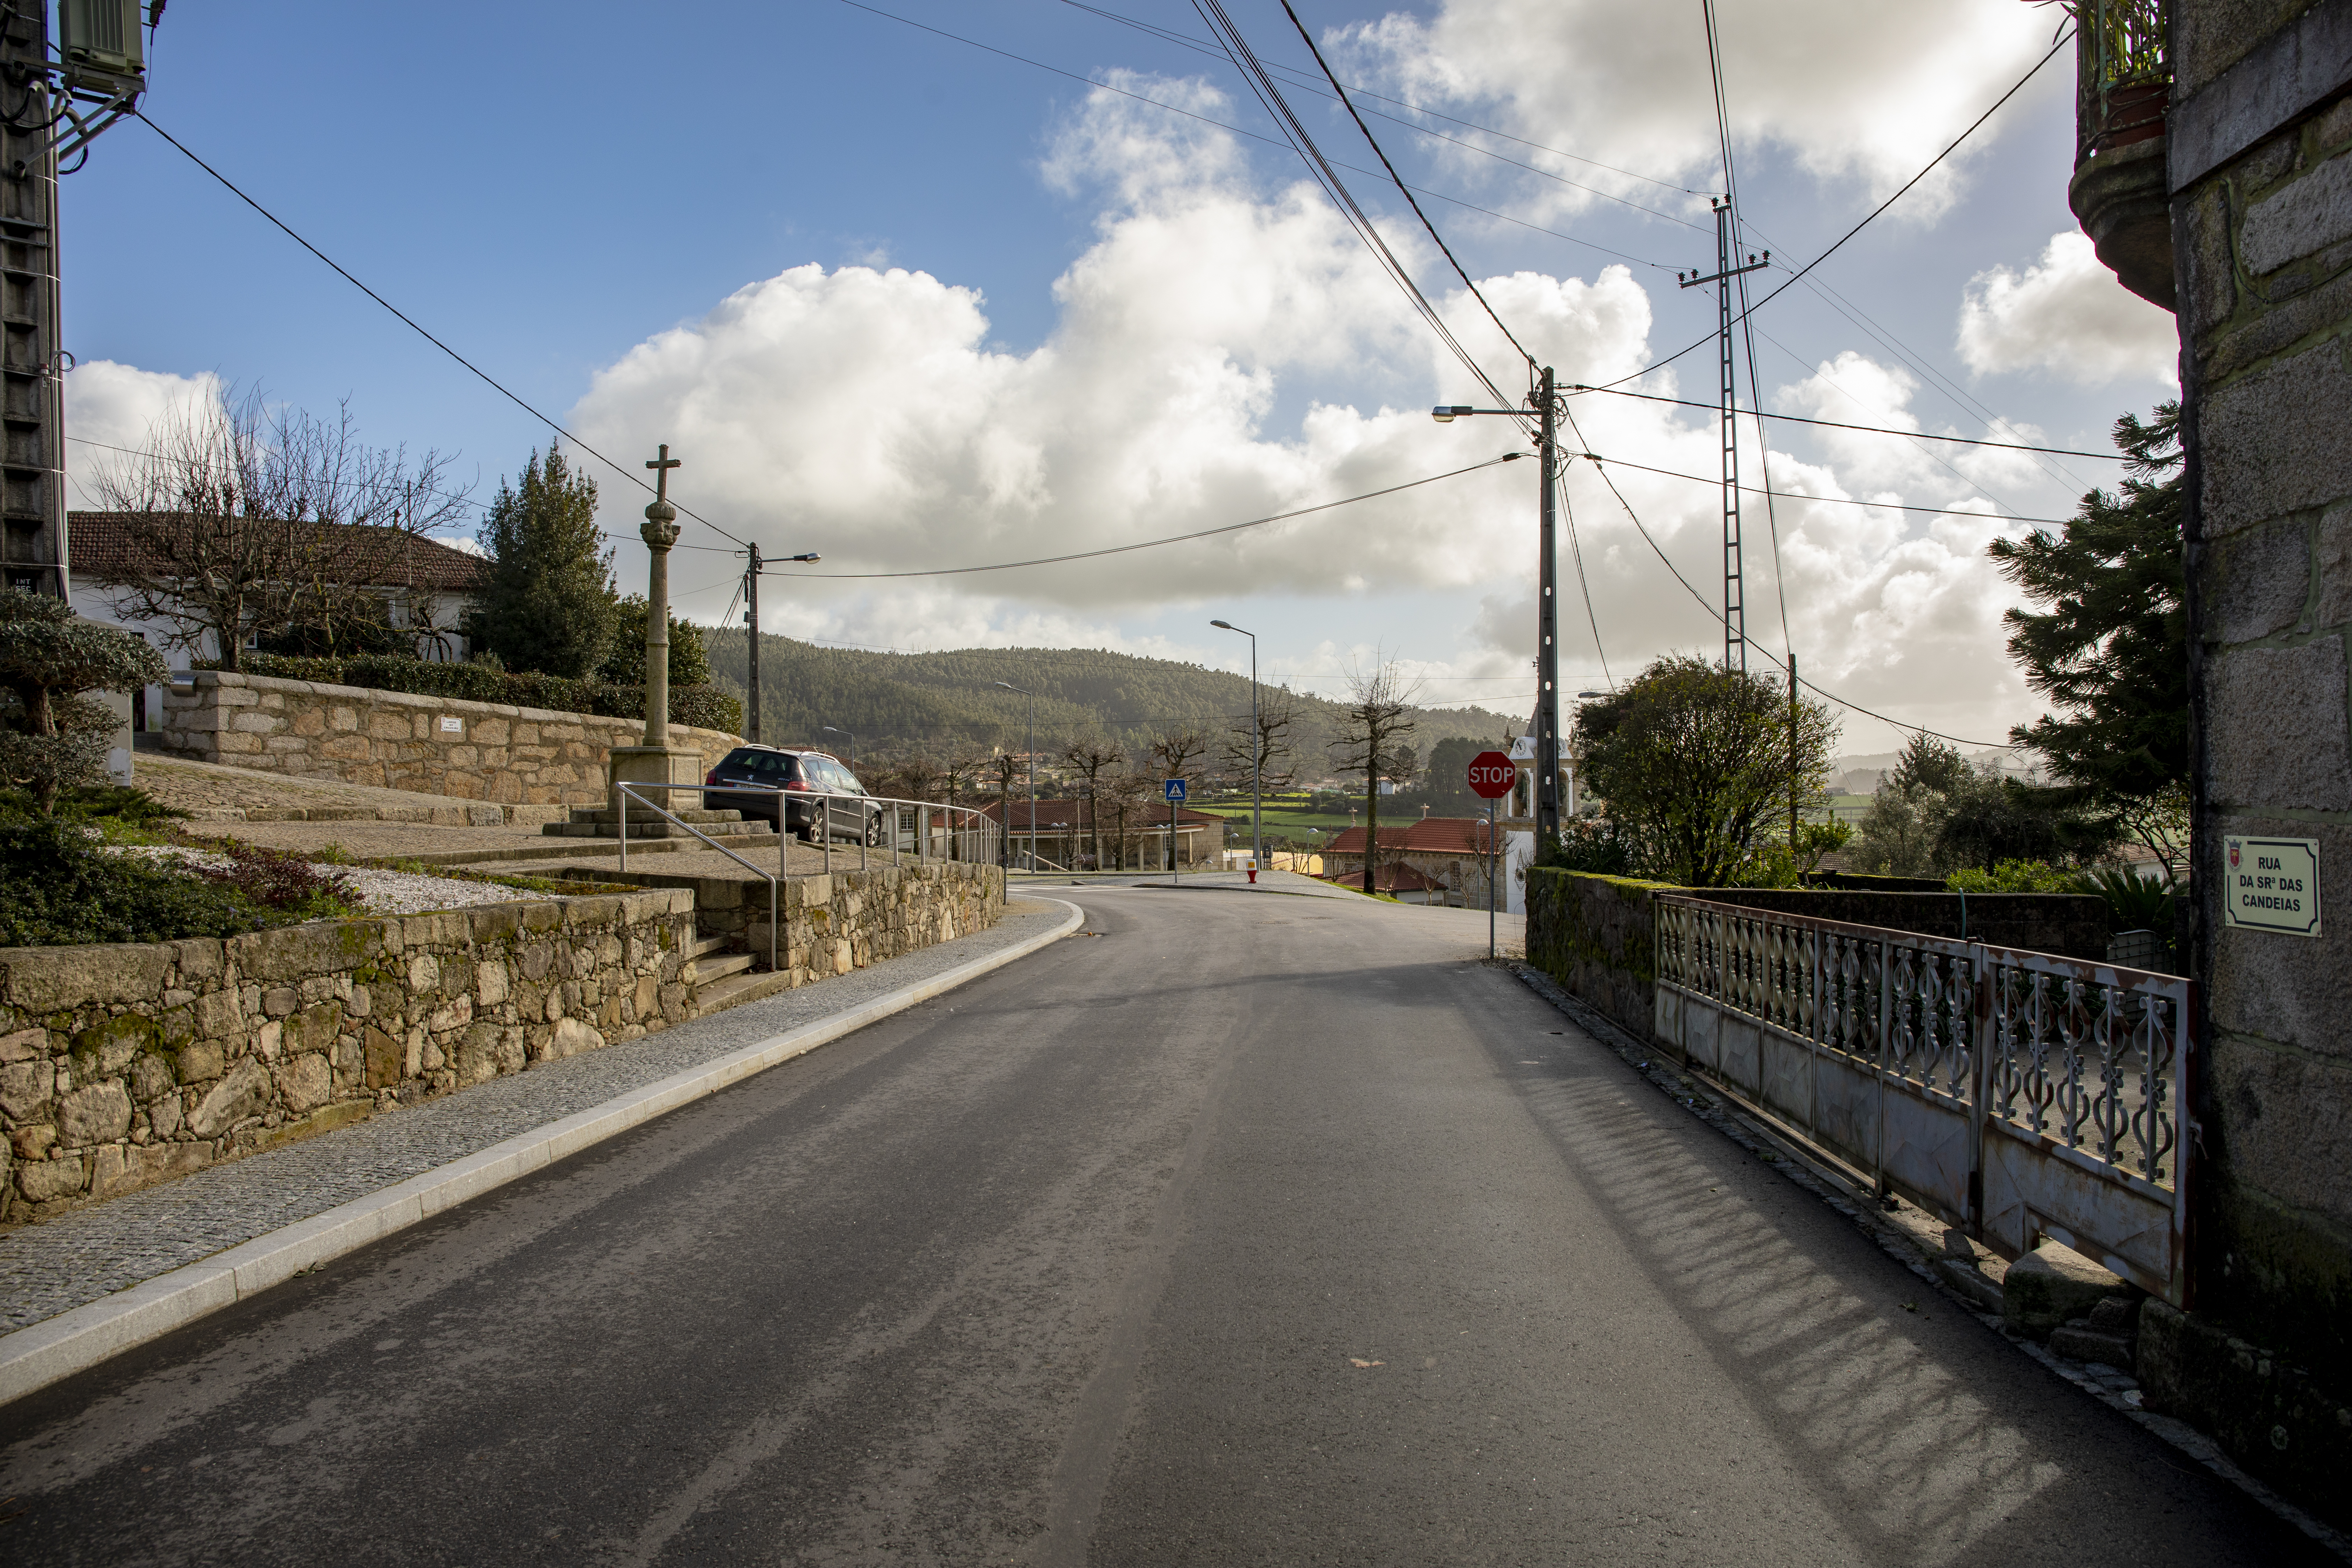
(1382, 153)
(1830, 500)
(1190, 43)
(1717, 615)
(1238, 130)
(1799, 272)
(1149, 543)
(1576, 552)
(1269, 94)
(487, 379)
(1841, 425)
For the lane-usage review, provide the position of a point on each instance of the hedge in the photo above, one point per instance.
(705, 707)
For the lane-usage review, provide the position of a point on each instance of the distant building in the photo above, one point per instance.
(1064, 837)
(1448, 858)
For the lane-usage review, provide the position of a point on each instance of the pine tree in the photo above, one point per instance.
(2111, 650)
(547, 601)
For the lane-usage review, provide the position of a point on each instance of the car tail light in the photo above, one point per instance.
(794, 784)
(711, 777)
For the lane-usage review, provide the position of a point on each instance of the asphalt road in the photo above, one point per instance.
(1246, 1230)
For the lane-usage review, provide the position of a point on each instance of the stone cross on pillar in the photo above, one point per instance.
(659, 533)
(664, 773)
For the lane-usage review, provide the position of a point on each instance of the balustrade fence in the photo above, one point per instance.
(2015, 1094)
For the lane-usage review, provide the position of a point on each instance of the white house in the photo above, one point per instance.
(424, 584)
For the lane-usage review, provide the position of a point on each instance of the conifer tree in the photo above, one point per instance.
(547, 601)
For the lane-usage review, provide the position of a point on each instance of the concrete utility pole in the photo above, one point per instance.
(1735, 588)
(1546, 402)
(758, 564)
(64, 102)
(751, 647)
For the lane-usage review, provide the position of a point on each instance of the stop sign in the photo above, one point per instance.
(1492, 774)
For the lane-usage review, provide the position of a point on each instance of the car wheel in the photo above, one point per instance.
(874, 830)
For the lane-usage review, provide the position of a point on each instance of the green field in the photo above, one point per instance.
(1283, 819)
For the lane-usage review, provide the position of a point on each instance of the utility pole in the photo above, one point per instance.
(1726, 269)
(758, 563)
(1792, 755)
(1546, 399)
(752, 646)
(1547, 616)
(62, 105)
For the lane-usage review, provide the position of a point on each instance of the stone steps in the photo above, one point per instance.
(736, 990)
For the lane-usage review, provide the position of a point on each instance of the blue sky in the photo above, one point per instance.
(914, 304)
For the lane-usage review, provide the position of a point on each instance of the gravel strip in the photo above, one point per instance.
(378, 892)
(49, 1269)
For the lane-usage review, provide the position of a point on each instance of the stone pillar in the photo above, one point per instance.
(654, 761)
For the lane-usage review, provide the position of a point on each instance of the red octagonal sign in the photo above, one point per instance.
(1492, 774)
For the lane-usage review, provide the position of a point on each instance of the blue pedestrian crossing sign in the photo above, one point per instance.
(1175, 789)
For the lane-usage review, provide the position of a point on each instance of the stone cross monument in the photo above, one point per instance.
(654, 761)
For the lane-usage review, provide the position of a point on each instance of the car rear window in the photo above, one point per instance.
(751, 762)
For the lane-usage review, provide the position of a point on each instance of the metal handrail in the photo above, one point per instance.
(896, 805)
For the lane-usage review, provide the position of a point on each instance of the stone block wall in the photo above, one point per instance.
(2261, 175)
(1598, 937)
(396, 740)
(124, 1065)
(848, 920)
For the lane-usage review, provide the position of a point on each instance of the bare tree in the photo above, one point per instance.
(1175, 750)
(1270, 750)
(1007, 767)
(1128, 794)
(239, 516)
(1374, 729)
(1088, 757)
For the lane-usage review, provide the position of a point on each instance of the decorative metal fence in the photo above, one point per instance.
(2016, 1094)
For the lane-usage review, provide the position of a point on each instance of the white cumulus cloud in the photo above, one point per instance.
(2068, 315)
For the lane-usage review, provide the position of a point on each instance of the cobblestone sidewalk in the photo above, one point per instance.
(49, 1269)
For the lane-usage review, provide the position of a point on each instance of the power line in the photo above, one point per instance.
(1173, 37)
(2063, 40)
(1238, 130)
(1831, 500)
(1380, 152)
(410, 322)
(1149, 543)
(1269, 94)
(1841, 425)
(1717, 615)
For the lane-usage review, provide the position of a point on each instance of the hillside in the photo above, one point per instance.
(937, 701)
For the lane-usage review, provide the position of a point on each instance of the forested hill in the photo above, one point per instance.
(948, 701)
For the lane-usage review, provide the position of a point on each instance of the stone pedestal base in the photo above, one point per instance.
(652, 765)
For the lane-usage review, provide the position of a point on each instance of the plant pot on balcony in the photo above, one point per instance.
(2121, 196)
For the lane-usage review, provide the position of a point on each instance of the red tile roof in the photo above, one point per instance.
(1429, 835)
(102, 547)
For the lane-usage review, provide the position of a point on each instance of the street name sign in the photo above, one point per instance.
(1491, 775)
(2271, 884)
(1175, 789)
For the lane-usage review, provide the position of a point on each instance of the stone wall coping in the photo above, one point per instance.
(2287, 76)
(199, 679)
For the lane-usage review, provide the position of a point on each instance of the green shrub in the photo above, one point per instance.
(58, 886)
(2134, 902)
(2016, 877)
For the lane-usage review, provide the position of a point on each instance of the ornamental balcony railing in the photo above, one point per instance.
(2126, 73)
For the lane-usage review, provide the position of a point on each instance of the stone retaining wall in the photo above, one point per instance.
(844, 921)
(124, 1065)
(436, 745)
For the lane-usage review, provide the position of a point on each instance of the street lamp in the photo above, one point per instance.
(752, 641)
(1257, 751)
(829, 729)
(1546, 407)
(1033, 772)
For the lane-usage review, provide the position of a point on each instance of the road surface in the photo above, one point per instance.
(1241, 1229)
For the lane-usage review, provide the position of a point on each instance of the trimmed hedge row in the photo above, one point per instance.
(705, 707)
